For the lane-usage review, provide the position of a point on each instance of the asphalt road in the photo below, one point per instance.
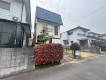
(92, 69)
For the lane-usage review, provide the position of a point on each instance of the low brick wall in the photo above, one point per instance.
(15, 59)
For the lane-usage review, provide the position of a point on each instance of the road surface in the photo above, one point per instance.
(92, 69)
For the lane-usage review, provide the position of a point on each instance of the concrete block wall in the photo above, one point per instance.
(14, 60)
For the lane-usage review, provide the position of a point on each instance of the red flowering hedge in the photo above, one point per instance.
(48, 53)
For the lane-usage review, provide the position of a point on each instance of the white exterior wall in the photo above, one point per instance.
(56, 41)
(90, 41)
(64, 36)
(15, 11)
(24, 15)
(39, 28)
(74, 36)
(103, 37)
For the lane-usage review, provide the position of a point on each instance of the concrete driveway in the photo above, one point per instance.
(92, 69)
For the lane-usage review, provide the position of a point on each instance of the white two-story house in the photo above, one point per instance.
(86, 39)
(78, 34)
(48, 21)
(81, 35)
(15, 23)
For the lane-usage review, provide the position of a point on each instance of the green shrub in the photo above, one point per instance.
(75, 46)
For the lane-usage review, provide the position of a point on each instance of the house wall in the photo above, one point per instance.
(74, 36)
(93, 34)
(15, 11)
(103, 37)
(90, 41)
(63, 36)
(56, 41)
(39, 28)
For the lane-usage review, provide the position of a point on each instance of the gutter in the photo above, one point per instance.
(22, 9)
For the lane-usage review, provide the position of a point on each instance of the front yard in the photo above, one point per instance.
(69, 57)
(87, 54)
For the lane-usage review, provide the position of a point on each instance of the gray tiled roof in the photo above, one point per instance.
(48, 16)
(79, 27)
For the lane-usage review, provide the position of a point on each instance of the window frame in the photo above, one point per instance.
(47, 28)
(56, 30)
(66, 42)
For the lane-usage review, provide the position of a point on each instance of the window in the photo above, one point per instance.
(47, 28)
(4, 38)
(79, 34)
(65, 42)
(4, 5)
(60, 35)
(56, 30)
(69, 32)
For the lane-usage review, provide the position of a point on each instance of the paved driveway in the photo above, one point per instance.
(92, 69)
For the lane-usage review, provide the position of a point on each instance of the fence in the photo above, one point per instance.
(15, 59)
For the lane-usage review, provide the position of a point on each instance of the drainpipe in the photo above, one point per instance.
(19, 38)
(22, 10)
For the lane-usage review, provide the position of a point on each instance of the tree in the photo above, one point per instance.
(43, 37)
(74, 47)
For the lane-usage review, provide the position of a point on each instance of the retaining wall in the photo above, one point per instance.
(13, 60)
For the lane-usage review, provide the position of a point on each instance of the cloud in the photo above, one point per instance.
(76, 12)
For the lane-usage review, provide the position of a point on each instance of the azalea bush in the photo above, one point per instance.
(48, 53)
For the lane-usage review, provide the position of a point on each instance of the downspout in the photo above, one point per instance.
(18, 24)
(21, 28)
(22, 10)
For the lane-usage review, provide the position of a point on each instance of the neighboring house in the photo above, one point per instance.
(86, 38)
(15, 23)
(77, 34)
(93, 34)
(103, 36)
(48, 21)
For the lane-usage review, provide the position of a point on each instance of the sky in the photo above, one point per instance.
(90, 14)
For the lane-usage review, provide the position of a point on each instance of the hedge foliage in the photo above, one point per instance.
(48, 53)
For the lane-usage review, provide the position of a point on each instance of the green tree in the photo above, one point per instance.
(74, 47)
(42, 37)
